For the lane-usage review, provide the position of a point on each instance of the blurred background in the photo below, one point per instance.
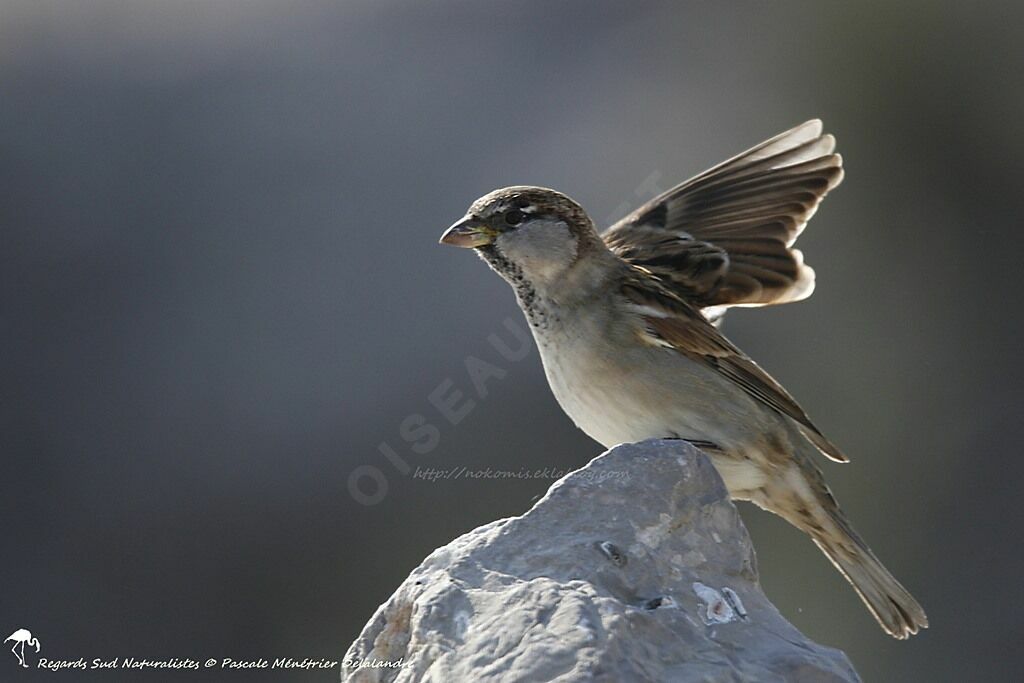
(222, 293)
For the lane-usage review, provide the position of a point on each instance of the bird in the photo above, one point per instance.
(20, 638)
(627, 325)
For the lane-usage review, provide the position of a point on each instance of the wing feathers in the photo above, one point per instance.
(747, 209)
(671, 322)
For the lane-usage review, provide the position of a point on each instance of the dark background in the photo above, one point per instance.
(221, 291)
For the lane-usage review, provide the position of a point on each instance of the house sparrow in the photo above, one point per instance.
(625, 324)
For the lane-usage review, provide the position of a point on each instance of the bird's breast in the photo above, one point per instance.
(618, 390)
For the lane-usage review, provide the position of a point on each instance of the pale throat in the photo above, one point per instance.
(542, 249)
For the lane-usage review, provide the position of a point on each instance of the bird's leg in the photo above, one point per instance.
(701, 444)
(21, 657)
(705, 445)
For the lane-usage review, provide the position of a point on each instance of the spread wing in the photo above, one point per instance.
(671, 322)
(725, 237)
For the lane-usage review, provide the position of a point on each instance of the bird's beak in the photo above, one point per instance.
(469, 232)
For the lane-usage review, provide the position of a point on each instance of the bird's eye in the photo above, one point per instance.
(514, 217)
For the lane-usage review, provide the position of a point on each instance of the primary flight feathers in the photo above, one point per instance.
(724, 238)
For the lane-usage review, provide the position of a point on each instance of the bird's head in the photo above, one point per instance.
(529, 233)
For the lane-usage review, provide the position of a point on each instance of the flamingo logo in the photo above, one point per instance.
(20, 638)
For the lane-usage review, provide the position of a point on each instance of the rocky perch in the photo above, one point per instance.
(635, 568)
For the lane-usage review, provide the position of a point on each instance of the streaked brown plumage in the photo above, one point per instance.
(624, 324)
(725, 237)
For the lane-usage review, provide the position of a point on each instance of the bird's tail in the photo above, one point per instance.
(891, 604)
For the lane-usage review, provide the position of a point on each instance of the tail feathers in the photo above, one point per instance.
(891, 604)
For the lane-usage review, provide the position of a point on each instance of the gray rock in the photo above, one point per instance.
(634, 568)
